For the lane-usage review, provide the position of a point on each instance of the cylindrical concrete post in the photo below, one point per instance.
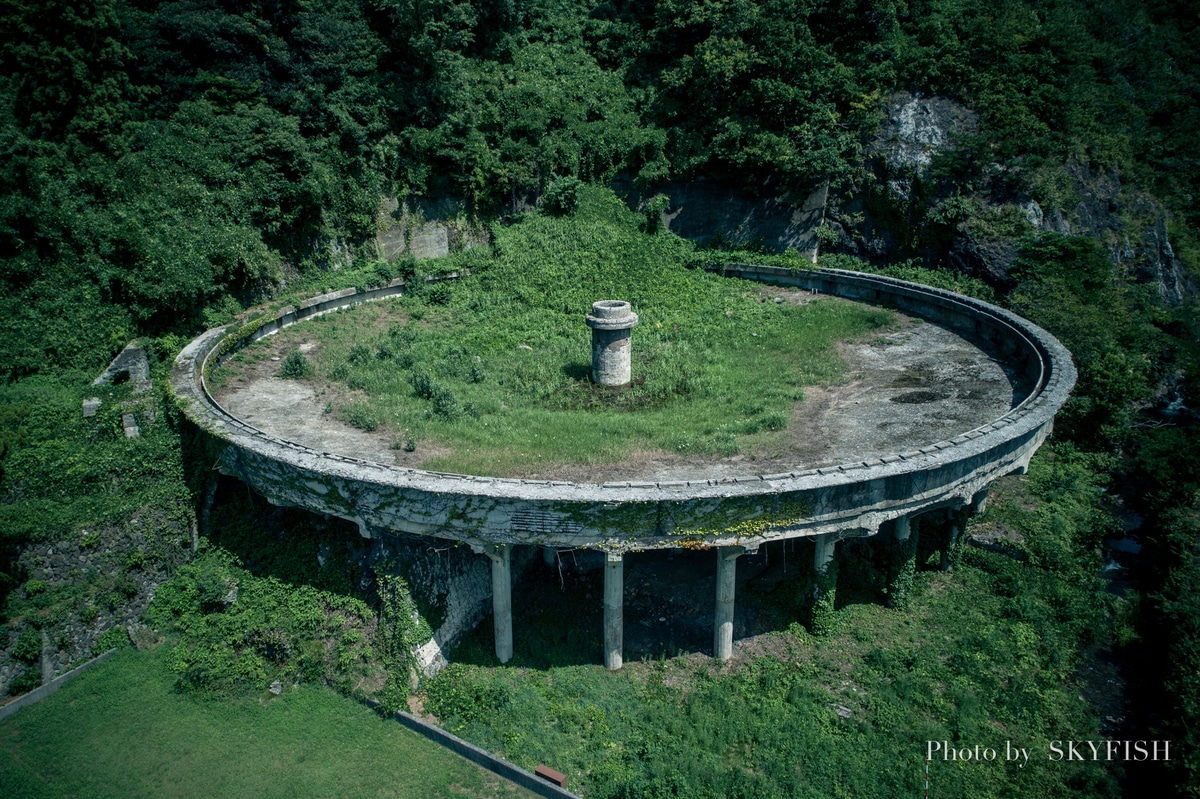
(611, 321)
(726, 586)
(614, 610)
(549, 555)
(502, 600)
(903, 568)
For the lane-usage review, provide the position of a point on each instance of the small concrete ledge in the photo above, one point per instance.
(481, 757)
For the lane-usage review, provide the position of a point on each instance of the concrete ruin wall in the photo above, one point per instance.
(706, 212)
(451, 584)
(421, 228)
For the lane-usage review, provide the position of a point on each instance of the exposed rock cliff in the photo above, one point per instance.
(917, 130)
(710, 212)
(901, 209)
(700, 211)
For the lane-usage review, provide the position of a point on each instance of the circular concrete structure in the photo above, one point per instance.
(622, 515)
(735, 512)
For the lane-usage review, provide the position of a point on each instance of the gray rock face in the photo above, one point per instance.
(1132, 226)
(918, 129)
(988, 259)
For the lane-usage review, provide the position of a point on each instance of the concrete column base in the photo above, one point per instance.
(953, 548)
(826, 549)
(614, 610)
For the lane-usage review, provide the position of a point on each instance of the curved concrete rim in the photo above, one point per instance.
(1047, 363)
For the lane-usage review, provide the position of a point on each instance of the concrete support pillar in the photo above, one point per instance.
(958, 527)
(822, 618)
(614, 610)
(726, 586)
(501, 557)
(904, 562)
(979, 501)
(549, 555)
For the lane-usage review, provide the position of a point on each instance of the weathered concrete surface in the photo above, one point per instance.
(726, 588)
(132, 360)
(611, 322)
(703, 211)
(621, 516)
(135, 366)
(425, 228)
(291, 410)
(614, 610)
(452, 584)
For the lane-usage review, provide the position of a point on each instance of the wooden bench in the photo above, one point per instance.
(547, 773)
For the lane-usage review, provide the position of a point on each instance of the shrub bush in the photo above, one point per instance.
(29, 646)
(562, 196)
(362, 416)
(295, 366)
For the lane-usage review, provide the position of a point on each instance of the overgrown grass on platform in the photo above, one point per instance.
(120, 731)
(493, 370)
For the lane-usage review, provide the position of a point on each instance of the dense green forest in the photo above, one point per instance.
(166, 165)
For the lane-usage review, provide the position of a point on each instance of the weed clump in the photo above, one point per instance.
(362, 416)
(295, 366)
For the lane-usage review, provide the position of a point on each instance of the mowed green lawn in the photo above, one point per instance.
(119, 730)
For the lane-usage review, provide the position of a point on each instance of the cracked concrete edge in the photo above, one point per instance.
(858, 495)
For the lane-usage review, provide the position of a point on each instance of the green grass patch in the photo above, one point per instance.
(119, 730)
(495, 367)
(79, 480)
(988, 654)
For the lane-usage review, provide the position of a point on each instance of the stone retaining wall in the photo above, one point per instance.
(38, 694)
